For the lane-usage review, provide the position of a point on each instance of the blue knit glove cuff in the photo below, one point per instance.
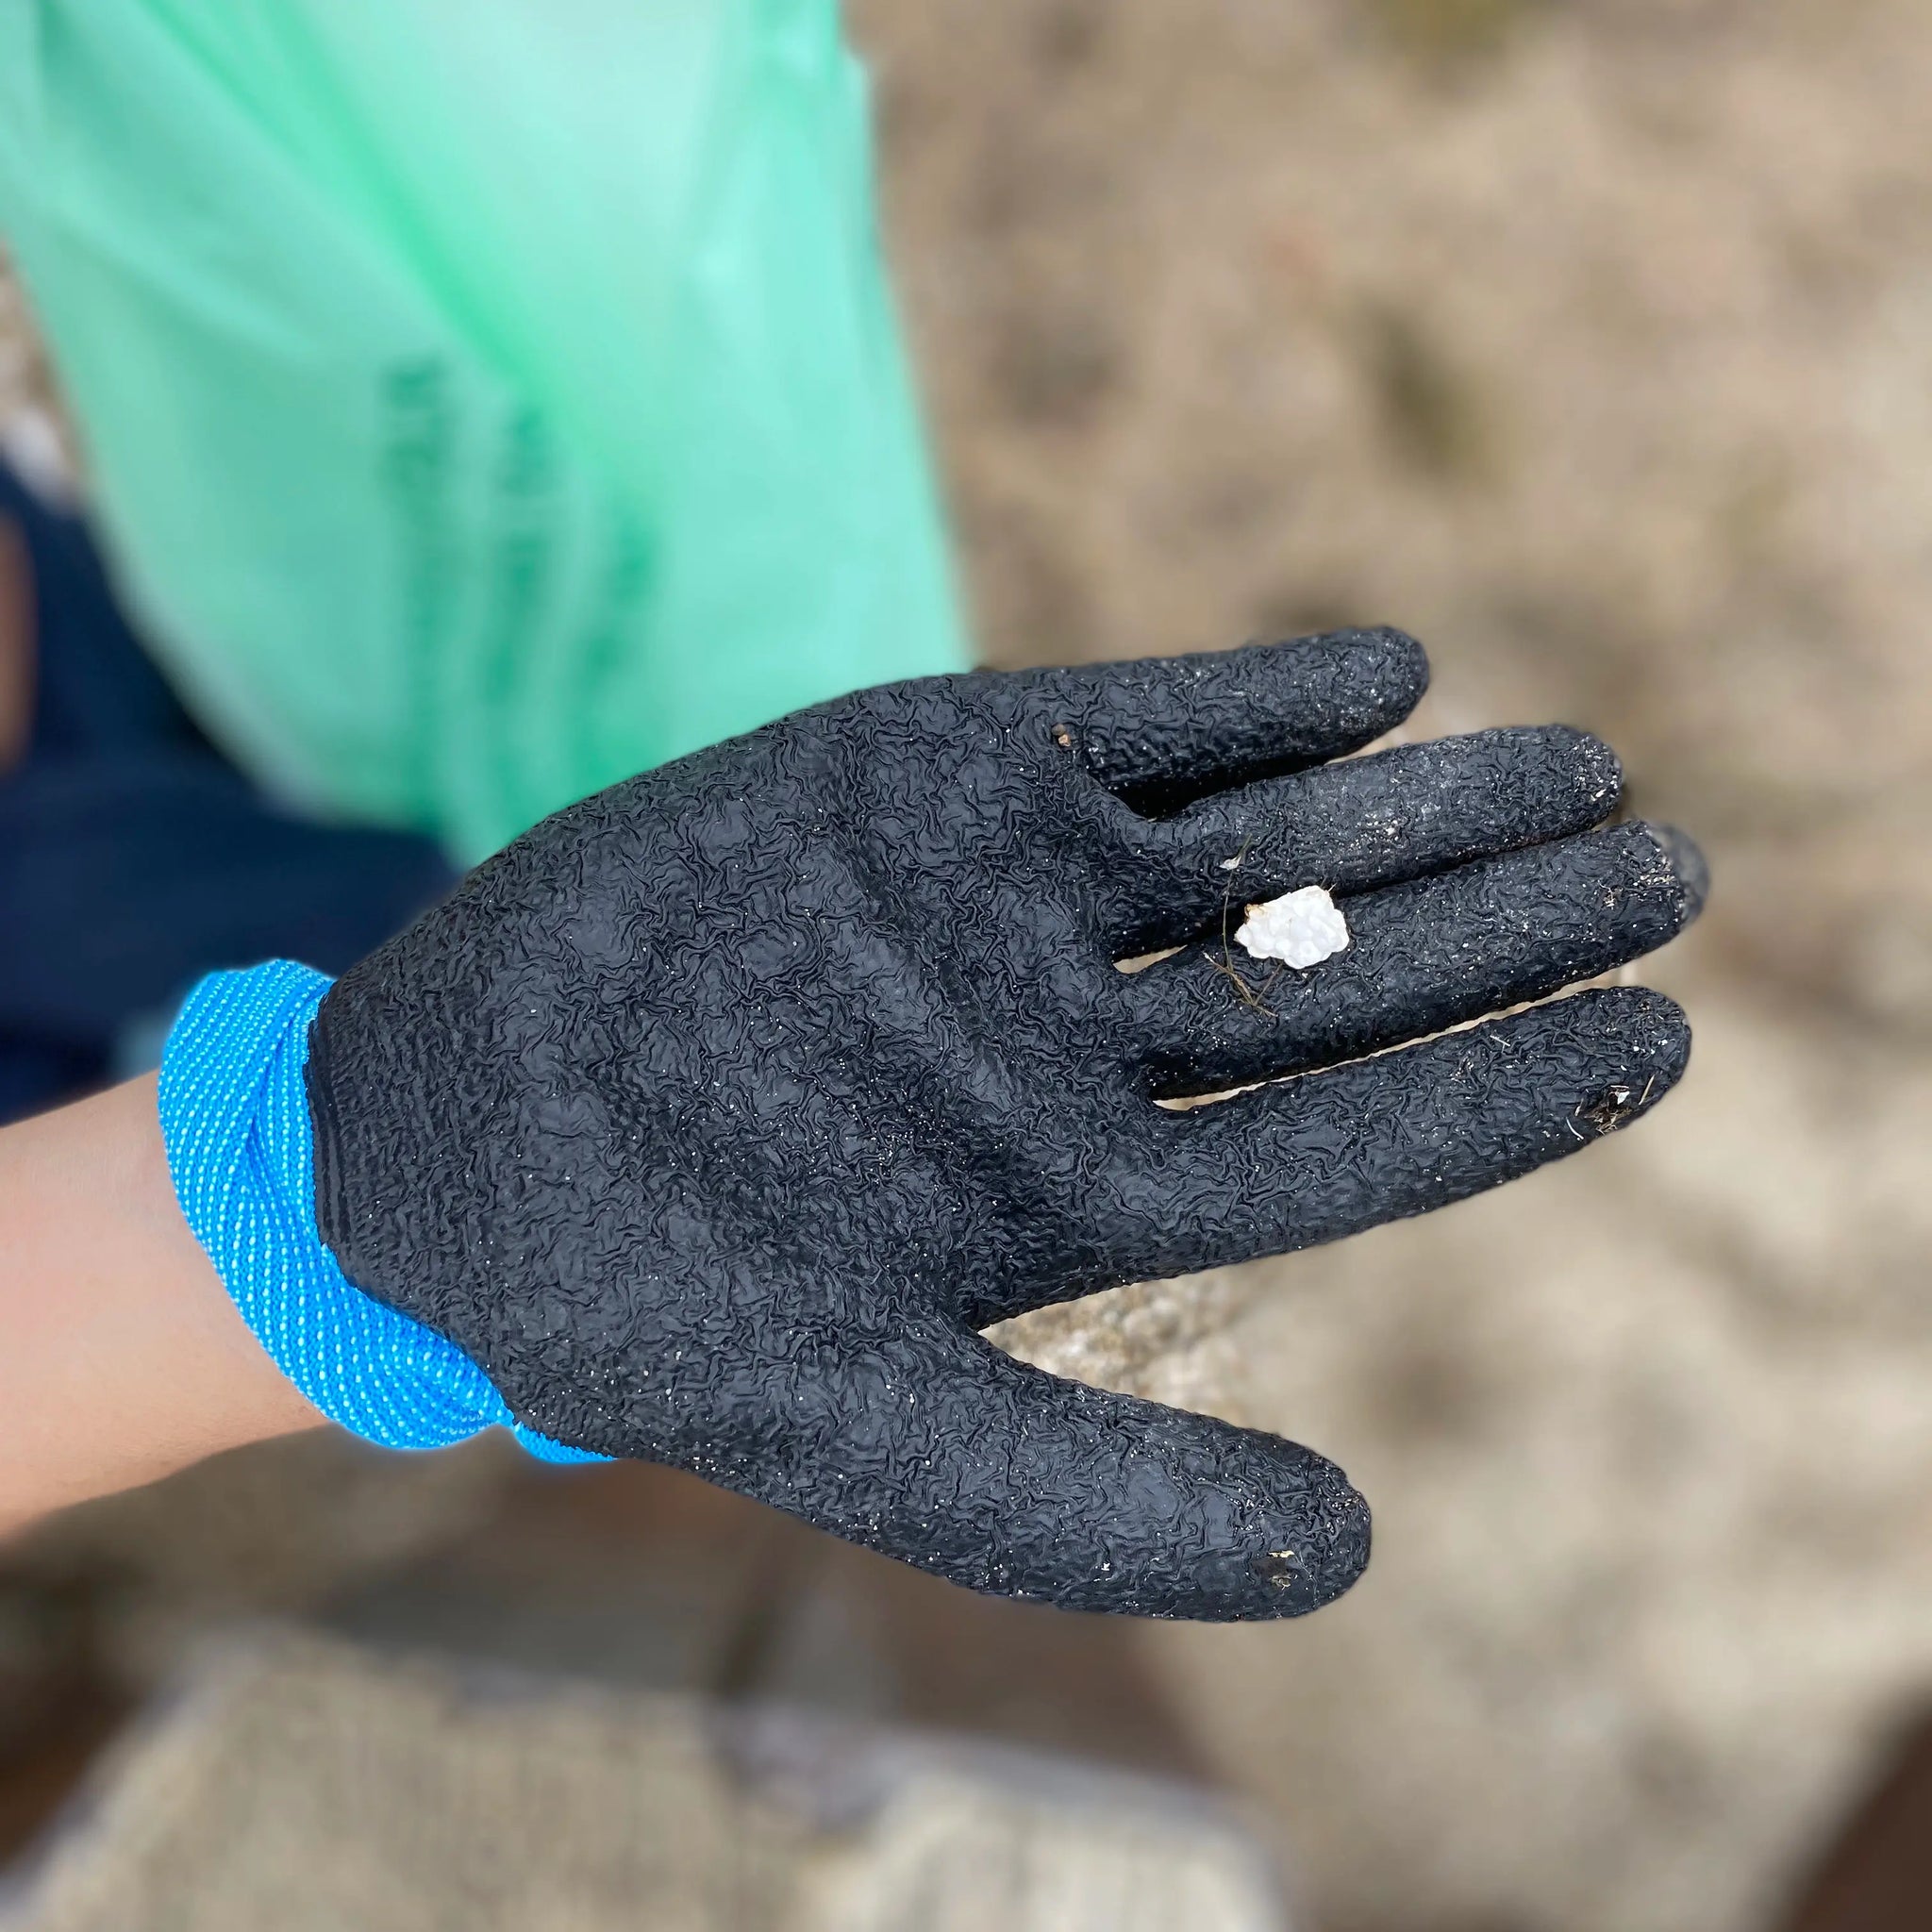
(235, 1117)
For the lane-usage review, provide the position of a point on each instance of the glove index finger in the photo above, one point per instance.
(1160, 732)
(1297, 1162)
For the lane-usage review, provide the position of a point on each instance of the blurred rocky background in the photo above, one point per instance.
(1591, 341)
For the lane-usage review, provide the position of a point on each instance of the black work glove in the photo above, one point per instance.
(714, 1116)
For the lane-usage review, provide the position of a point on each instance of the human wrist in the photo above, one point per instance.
(123, 1358)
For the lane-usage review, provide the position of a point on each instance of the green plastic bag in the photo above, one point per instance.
(484, 399)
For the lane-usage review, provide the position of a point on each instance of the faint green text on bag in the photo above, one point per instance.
(482, 401)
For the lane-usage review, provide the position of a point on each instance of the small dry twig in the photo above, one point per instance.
(1224, 965)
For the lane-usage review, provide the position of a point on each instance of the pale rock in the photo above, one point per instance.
(1301, 929)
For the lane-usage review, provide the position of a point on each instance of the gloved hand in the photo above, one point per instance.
(714, 1116)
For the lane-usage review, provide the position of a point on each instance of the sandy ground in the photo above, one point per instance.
(1593, 344)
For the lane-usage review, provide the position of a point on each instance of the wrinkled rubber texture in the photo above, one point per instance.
(715, 1115)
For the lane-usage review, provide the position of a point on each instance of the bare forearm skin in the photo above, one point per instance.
(121, 1357)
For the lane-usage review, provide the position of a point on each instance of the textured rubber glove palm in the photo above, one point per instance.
(715, 1116)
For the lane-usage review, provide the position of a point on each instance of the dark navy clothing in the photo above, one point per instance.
(133, 858)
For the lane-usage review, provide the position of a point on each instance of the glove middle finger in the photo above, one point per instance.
(1423, 956)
